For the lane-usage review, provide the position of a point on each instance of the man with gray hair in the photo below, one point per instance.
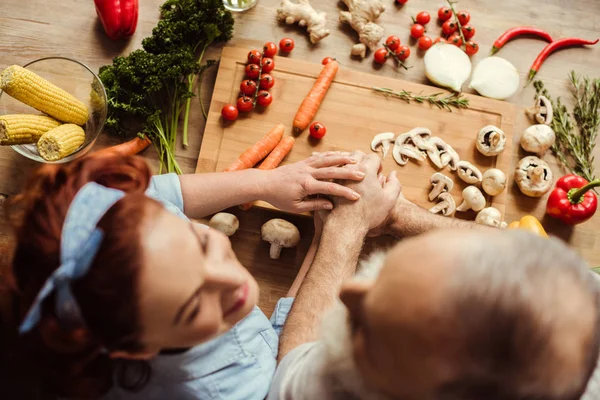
(454, 314)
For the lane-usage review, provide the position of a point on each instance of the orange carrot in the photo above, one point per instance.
(309, 107)
(258, 151)
(129, 148)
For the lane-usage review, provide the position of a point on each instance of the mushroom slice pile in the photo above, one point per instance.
(441, 183)
(468, 172)
(491, 217)
(442, 154)
(384, 140)
(446, 206)
(472, 199)
(491, 141)
(533, 176)
(404, 149)
(542, 111)
(494, 181)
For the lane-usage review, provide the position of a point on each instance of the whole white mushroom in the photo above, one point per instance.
(494, 181)
(226, 223)
(537, 139)
(280, 234)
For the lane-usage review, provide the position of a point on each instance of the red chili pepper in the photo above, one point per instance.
(119, 17)
(552, 47)
(572, 201)
(519, 31)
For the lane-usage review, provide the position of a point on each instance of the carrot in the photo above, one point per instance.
(258, 151)
(275, 158)
(129, 148)
(309, 107)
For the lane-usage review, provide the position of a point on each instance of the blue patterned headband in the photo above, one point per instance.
(80, 241)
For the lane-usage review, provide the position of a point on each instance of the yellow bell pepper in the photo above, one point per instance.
(529, 223)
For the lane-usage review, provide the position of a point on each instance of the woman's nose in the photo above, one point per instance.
(224, 277)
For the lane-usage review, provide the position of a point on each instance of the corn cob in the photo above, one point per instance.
(60, 142)
(42, 95)
(24, 128)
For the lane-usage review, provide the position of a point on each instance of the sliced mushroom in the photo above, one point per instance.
(404, 149)
(472, 199)
(533, 176)
(468, 172)
(384, 140)
(537, 139)
(542, 111)
(441, 183)
(493, 182)
(420, 138)
(491, 141)
(491, 217)
(442, 154)
(446, 206)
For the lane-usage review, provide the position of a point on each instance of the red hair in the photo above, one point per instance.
(73, 361)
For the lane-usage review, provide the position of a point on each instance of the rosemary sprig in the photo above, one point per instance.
(444, 103)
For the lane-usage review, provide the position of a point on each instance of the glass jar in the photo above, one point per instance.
(239, 5)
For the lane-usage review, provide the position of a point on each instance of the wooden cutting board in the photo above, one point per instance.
(353, 114)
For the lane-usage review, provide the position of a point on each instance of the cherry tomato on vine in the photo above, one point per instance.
(327, 60)
(468, 31)
(317, 130)
(254, 57)
(268, 64)
(440, 39)
(286, 45)
(393, 42)
(252, 71)
(455, 39)
(264, 98)
(400, 2)
(248, 87)
(229, 112)
(381, 55)
(464, 17)
(244, 104)
(423, 18)
(471, 48)
(403, 52)
(449, 27)
(425, 42)
(266, 81)
(444, 13)
(270, 49)
(417, 31)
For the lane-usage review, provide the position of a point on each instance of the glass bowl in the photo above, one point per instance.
(75, 78)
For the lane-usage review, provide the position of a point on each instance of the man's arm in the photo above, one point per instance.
(308, 260)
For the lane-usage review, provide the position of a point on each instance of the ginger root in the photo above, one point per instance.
(360, 16)
(303, 13)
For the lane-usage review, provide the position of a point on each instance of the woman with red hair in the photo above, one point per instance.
(120, 295)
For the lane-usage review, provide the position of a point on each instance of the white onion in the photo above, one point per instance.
(496, 78)
(448, 66)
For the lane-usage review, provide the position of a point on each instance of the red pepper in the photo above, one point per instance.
(552, 47)
(572, 201)
(519, 31)
(119, 17)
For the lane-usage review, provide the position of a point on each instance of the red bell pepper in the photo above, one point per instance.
(572, 201)
(119, 17)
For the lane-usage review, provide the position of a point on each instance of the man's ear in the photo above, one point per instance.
(125, 355)
(353, 293)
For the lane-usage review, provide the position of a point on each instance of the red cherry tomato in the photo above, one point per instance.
(423, 18)
(468, 31)
(381, 55)
(264, 98)
(471, 48)
(268, 64)
(417, 31)
(403, 52)
(252, 71)
(393, 42)
(444, 14)
(400, 2)
(464, 17)
(425, 42)
(229, 112)
(455, 39)
(286, 45)
(440, 39)
(266, 81)
(248, 87)
(269, 49)
(317, 130)
(327, 60)
(449, 27)
(244, 104)
(254, 57)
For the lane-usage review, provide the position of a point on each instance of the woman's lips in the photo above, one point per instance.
(240, 296)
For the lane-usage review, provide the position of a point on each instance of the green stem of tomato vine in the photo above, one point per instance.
(452, 3)
(395, 56)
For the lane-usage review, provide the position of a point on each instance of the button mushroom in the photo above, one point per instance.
(225, 222)
(491, 217)
(533, 176)
(542, 111)
(472, 199)
(404, 149)
(280, 234)
(493, 182)
(441, 183)
(446, 206)
(442, 154)
(491, 141)
(468, 172)
(537, 139)
(384, 140)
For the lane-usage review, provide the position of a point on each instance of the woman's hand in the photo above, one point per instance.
(290, 187)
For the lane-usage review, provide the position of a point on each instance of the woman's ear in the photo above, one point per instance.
(352, 295)
(125, 355)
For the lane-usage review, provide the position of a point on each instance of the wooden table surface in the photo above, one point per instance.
(37, 28)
